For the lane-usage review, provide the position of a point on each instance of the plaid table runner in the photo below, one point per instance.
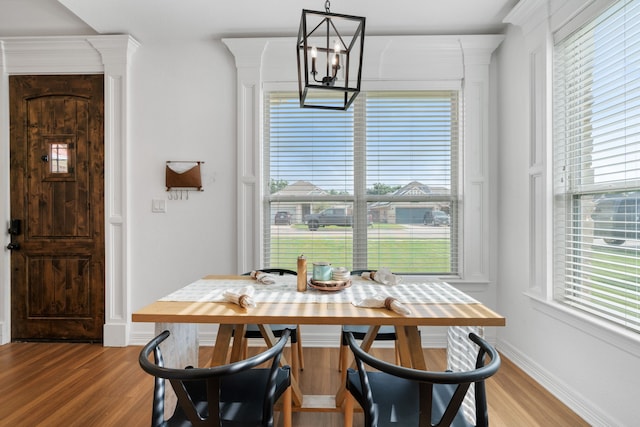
(284, 290)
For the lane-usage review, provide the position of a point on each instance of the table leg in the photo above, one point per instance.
(410, 347)
(415, 345)
(237, 351)
(221, 348)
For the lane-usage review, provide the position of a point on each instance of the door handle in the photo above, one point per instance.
(13, 246)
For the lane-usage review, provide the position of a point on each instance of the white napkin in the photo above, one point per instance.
(380, 301)
(242, 296)
(264, 278)
(383, 276)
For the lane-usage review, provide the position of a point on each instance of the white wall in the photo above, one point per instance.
(182, 108)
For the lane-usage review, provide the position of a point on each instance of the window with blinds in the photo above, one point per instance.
(597, 166)
(375, 186)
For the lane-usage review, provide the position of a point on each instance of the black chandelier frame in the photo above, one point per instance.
(336, 57)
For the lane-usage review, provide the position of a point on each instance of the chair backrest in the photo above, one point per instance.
(427, 380)
(278, 271)
(206, 383)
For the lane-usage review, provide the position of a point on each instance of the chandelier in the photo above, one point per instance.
(329, 51)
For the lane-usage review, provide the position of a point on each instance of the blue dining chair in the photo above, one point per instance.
(393, 395)
(237, 394)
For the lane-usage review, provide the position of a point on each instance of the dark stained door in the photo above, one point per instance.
(57, 192)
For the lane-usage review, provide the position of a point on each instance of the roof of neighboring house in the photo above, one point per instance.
(300, 188)
(414, 187)
(305, 188)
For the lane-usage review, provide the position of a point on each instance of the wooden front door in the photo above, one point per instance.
(57, 207)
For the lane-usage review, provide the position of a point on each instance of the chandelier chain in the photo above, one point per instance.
(327, 6)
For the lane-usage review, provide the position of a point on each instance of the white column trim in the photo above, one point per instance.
(116, 56)
(5, 256)
(110, 55)
(248, 55)
(533, 17)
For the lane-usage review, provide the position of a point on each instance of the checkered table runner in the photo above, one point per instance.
(284, 290)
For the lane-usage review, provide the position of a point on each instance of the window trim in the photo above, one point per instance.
(611, 333)
(462, 60)
(359, 199)
(576, 187)
(541, 27)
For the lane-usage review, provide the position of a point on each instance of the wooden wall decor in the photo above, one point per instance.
(183, 176)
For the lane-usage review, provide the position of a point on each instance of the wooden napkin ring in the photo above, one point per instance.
(388, 301)
(242, 301)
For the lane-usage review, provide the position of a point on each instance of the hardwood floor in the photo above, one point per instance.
(50, 384)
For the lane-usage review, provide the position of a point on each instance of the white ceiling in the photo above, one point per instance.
(207, 19)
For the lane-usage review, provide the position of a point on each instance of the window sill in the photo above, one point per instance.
(612, 334)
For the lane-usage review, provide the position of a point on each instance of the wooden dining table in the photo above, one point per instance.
(431, 304)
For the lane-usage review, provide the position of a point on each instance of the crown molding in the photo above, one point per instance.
(65, 54)
(528, 14)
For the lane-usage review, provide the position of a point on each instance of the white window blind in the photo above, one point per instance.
(375, 186)
(597, 166)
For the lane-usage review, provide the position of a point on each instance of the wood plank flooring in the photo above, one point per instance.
(51, 384)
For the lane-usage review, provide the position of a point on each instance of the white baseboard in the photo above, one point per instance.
(4, 338)
(116, 335)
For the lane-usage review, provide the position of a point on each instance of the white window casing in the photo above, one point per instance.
(390, 63)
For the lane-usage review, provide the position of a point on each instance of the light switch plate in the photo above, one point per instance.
(159, 205)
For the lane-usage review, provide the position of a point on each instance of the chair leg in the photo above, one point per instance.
(245, 348)
(301, 364)
(286, 407)
(295, 361)
(348, 410)
(343, 364)
(397, 354)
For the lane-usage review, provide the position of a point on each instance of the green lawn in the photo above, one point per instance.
(427, 255)
(377, 226)
(614, 277)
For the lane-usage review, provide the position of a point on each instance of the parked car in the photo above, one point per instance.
(617, 218)
(332, 216)
(282, 218)
(436, 218)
